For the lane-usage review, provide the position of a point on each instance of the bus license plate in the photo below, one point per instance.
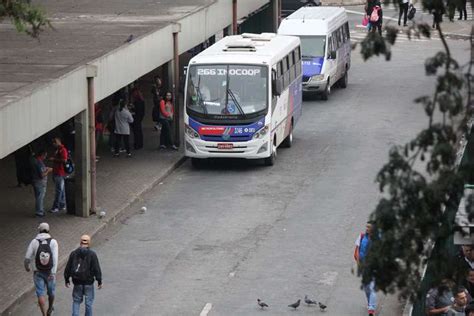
(225, 146)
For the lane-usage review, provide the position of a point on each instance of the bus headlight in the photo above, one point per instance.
(190, 131)
(317, 78)
(261, 133)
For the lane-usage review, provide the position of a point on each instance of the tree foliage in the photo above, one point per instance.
(26, 17)
(421, 180)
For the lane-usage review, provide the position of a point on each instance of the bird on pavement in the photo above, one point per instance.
(295, 305)
(322, 307)
(261, 303)
(129, 39)
(309, 301)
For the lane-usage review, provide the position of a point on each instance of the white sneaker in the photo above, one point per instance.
(54, 210)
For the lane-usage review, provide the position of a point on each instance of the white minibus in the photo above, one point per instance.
(243, 97)
(325, 46)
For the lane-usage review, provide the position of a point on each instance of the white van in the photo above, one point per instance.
(325, 46)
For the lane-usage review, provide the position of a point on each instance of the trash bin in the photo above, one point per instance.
(70, 197)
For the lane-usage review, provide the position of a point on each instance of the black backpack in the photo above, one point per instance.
(69, 164)
(81, 268)
(44, 255)
(411, 12)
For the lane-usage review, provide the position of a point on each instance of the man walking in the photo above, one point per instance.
(83, 267)
(363, 243)
(59, 159)
(40, 178)
(44, 250)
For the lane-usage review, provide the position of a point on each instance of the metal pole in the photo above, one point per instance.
(275, 7)
(92, 143)
(176, 74)
(234, 17)
(279, 14)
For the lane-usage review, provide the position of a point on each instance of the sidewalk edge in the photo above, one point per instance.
(103, 225)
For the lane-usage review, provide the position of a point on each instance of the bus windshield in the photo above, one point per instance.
(227, 90)
(313, 46)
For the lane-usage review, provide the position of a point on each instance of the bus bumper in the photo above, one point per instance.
(314, 86)
(253, 149)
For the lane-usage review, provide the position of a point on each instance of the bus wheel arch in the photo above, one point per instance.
(327, 90)
(345, 78)
(288, 142)
(270, 161)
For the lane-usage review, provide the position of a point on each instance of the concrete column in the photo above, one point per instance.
(234, 17)
(176, 74)
(275, 14)
(82, 166)
(91, 73)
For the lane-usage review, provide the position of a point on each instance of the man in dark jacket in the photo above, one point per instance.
(83, 267)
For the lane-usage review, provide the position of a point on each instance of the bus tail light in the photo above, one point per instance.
(261, 133)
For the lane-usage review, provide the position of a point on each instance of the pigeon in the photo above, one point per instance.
(261, 303)
(322, 307)
(309, 301)
(129, 39)
(295, 305)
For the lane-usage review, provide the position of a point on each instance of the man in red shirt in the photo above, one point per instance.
(59, 159)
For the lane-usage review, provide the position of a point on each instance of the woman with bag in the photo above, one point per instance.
(123, 119)
(166, 119)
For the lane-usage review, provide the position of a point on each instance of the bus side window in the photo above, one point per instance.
(297, 61)
(346, 28)
(291, 65)
(286, 75)
(330, 49)
(339, 38)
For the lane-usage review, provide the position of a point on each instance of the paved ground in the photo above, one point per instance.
(235, 231)
(453, 29)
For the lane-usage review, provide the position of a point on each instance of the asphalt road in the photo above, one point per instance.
(236, 231)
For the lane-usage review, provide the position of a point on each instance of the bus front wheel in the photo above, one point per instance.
(196, 162)
(327, 92)
(288, 142)
(344, 80)
(270, 161)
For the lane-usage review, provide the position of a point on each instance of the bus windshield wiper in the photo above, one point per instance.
(199, 95)
(237, 105)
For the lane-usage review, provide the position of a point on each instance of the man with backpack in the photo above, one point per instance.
(83, 267)
(362, 248)
(44, 251)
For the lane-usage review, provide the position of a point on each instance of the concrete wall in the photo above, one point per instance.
(53, 103)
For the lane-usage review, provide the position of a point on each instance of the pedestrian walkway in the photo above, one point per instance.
(119, 182)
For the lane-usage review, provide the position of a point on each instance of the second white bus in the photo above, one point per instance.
(325, 46)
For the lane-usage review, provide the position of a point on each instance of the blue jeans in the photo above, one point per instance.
(60, 193)
(78, 294)
(43, 284)
(40, 192)
(371, 295)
